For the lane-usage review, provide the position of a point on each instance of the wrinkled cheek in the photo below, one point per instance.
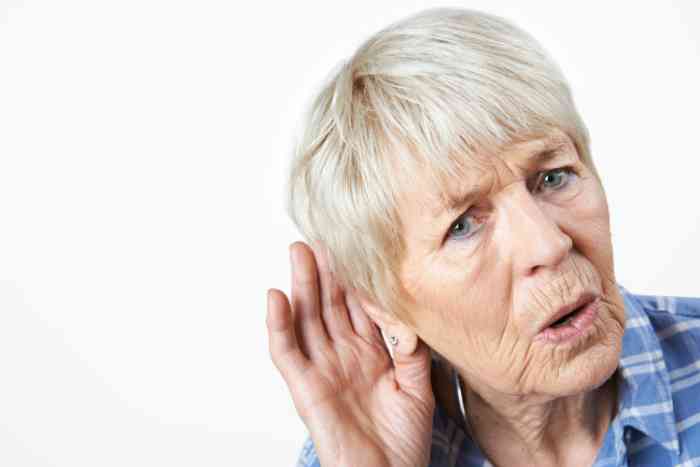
(514, 357)
(494, 359)
(490, 341)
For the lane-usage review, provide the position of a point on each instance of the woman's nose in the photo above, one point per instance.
(536, 239)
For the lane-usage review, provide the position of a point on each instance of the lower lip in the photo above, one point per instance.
(576, 327)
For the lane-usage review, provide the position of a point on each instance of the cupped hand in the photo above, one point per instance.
(361, 408)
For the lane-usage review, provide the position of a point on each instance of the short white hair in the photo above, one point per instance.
(445, 84)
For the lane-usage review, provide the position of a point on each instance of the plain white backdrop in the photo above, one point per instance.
(143, 153)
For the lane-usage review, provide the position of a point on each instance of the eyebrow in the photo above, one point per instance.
(551, 150)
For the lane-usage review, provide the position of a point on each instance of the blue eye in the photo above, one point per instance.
(556, 179)
(461, 228)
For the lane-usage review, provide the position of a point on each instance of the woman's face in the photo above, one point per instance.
(485, 277)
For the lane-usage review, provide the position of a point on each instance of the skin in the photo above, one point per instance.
(545, 246)
(479, 294)
(360, 407)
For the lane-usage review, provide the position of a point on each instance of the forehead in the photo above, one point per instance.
(436, 187)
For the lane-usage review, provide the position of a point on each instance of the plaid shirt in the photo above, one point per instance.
(658, 418)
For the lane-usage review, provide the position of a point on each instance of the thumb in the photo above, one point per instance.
(412, 370)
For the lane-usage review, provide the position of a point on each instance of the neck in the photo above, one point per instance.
(555, 431)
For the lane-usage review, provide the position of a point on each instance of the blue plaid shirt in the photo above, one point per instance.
(658, 418)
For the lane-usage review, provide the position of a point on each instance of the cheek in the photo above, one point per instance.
(589, 224)
(460, 312)
(591, 208)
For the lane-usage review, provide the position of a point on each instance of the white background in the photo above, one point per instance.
(143, 150)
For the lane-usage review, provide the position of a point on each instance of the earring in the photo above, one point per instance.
(394, 340)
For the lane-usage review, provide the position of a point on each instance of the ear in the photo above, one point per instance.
(391, 325)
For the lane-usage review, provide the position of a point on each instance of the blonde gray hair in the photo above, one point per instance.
(445, 84)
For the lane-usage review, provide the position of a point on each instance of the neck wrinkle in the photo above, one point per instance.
(545, 433)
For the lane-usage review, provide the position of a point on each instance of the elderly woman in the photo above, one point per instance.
(445, 183)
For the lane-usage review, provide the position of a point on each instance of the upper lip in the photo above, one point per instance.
(583, 299)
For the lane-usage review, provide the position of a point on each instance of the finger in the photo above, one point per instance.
(333, 309)
(361, 322)
(305, 300)
(282, 342)
(412, 372)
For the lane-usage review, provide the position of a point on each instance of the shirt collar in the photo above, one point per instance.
(645, 401)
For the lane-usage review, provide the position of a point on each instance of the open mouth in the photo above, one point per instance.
(566, 319)
(568, 314)
(571, 320)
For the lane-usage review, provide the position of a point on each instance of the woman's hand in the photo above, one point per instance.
(361, 408)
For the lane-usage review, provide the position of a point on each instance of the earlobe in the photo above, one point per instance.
(392, 327)
(407, 340)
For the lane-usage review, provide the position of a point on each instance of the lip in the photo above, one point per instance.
(583, 299)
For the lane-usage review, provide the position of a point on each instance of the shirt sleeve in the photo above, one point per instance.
(307, 456)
